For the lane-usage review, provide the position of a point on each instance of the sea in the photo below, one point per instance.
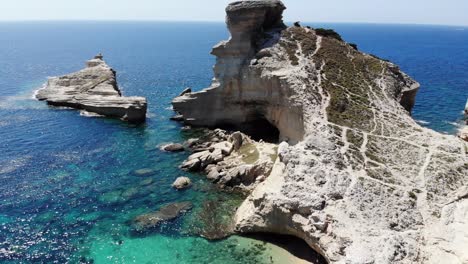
(70, 184)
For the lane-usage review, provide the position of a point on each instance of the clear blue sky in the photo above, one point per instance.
(451, 12)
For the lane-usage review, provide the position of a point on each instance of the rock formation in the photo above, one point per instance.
(360, 181)
(182, 183)
(173, 147)
(464, 131)
(94, 89)
(232, 161)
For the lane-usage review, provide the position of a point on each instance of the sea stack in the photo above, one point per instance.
(94, 89)
(359, 180)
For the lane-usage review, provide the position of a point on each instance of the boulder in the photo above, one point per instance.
(215, 156)
(191, 165)
(213, 174)
(191, 142)
(236, 175)
(246, 174)
(225, 147)
(148, 222)
(182, 183)
(173, 147)
(94, 89)
(464, 133)
(237, 139)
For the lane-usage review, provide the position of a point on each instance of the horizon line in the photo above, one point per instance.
(221, 21)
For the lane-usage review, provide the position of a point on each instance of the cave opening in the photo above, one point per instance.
(261, 129)
(258, 128)
(294, 245)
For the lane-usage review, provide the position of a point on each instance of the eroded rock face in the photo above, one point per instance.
(364, 183)
(94, 89)
(240, 94)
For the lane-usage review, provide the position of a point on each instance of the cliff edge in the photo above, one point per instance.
(357, 178)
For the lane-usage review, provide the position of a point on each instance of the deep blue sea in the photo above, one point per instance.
(68, 186)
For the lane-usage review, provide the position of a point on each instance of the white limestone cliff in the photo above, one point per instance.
(360, 181)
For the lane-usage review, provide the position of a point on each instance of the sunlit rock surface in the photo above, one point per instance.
(360, 181)
(94, 89)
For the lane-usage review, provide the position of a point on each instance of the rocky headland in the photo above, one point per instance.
(355, 176)
(94, 89)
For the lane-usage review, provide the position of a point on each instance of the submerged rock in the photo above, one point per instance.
(113, 197)
(148, 222)
(213, 222)
(94, 89)
(144, 172)
(146, 182)
(173, 147)
(182, 183)
(358, 173)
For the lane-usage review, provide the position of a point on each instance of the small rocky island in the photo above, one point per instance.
(94, 89)
(355, 176)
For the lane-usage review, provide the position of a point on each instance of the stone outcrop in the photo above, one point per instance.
(360, 181)
(233, 161)
(94, 89)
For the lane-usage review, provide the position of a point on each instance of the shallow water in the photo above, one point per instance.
(68, 186)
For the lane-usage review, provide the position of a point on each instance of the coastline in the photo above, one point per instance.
(105, 159)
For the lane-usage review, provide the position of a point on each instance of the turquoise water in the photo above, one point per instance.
(68, 186)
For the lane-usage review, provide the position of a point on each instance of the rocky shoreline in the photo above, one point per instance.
(93, 90)
(231, 160)
(355, 172)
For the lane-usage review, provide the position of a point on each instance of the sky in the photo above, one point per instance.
(440, 12)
